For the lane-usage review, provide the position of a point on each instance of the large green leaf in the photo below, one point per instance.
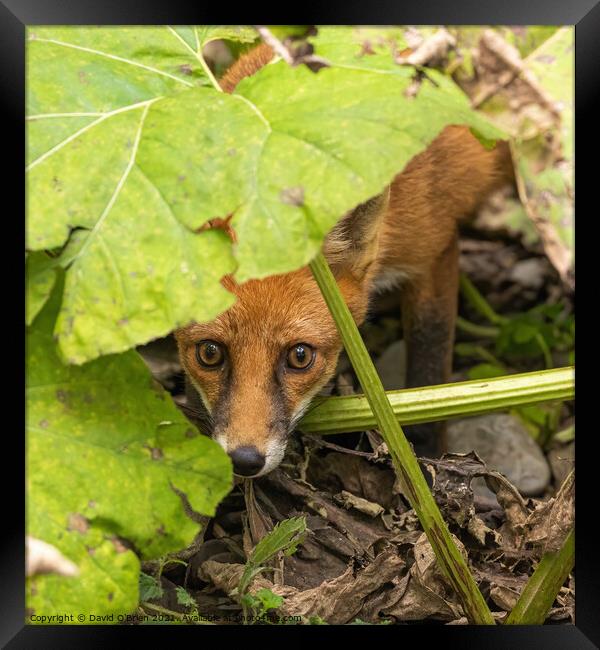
(205, 34)
(86, 93)
(291, 151)
(334, 140)
(553, 66)
(106, 450)
(369, 48)
(40, 276)
(287, 154)
(548, 189)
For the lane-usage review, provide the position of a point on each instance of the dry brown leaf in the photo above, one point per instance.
(549, 524)
(354, 473)
(361, 533)
(339, 601)
(505, 587)
(336, 601)
(452, 476)
(424, 592)
(349, 500)
(259, 522)
(508, 497)
(504, 597)
(226, 577)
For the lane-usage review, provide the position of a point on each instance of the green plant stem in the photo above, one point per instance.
(205, 66)
(208, 72)
(416, 405)
(478, 352)
(543, 586)
(545, 350)
(476, 330)
(566, 435)
(478, 302)
(409, 473)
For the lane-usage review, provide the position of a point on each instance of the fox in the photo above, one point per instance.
(252, 372)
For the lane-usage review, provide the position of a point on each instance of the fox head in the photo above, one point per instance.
(253, 371)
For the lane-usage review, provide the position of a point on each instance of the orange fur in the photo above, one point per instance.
(246, 66)
(409, 233)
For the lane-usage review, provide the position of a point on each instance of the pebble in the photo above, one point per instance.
(530, 273)
(504, 444)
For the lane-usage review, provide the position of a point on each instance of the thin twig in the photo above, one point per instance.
(330, 445)
(431, 49)
(278, 47)
(510, 58)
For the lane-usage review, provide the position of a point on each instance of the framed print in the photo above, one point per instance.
(300, 322)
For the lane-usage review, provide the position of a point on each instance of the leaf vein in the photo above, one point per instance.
(118, 188)
(115, 58)
(87, 127)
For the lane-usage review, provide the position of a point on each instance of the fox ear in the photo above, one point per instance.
(352, 245)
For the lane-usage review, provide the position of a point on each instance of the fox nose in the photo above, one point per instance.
(247, 461)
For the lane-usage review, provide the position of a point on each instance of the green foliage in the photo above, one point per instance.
(199, 36)
(110, 148)
(414, 485)
(534, 333)
(548, 176)
(317, 620)
(40, 274)
(530, 335)
(150, 587)
(366, 48)
(565, 435)
(538, 111)
(492, 367)
(289, 31)
(485, 371)
(107, 449)
(268, 600)
(261, 603)
(185, 598)
(528, 38)
(539, 593)
(552, 63)
(285, 537)
(542, 421)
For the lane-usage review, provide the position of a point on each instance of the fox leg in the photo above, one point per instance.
(429, 307)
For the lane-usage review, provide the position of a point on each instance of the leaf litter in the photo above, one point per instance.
(364, 555)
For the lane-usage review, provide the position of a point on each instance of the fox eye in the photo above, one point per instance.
(300, 356)
(209, 354)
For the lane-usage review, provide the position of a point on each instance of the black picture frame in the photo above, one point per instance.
(15, 15)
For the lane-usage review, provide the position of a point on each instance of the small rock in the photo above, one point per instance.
(531, 272)
(504, 444)
(391, 366)
(562, 462)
